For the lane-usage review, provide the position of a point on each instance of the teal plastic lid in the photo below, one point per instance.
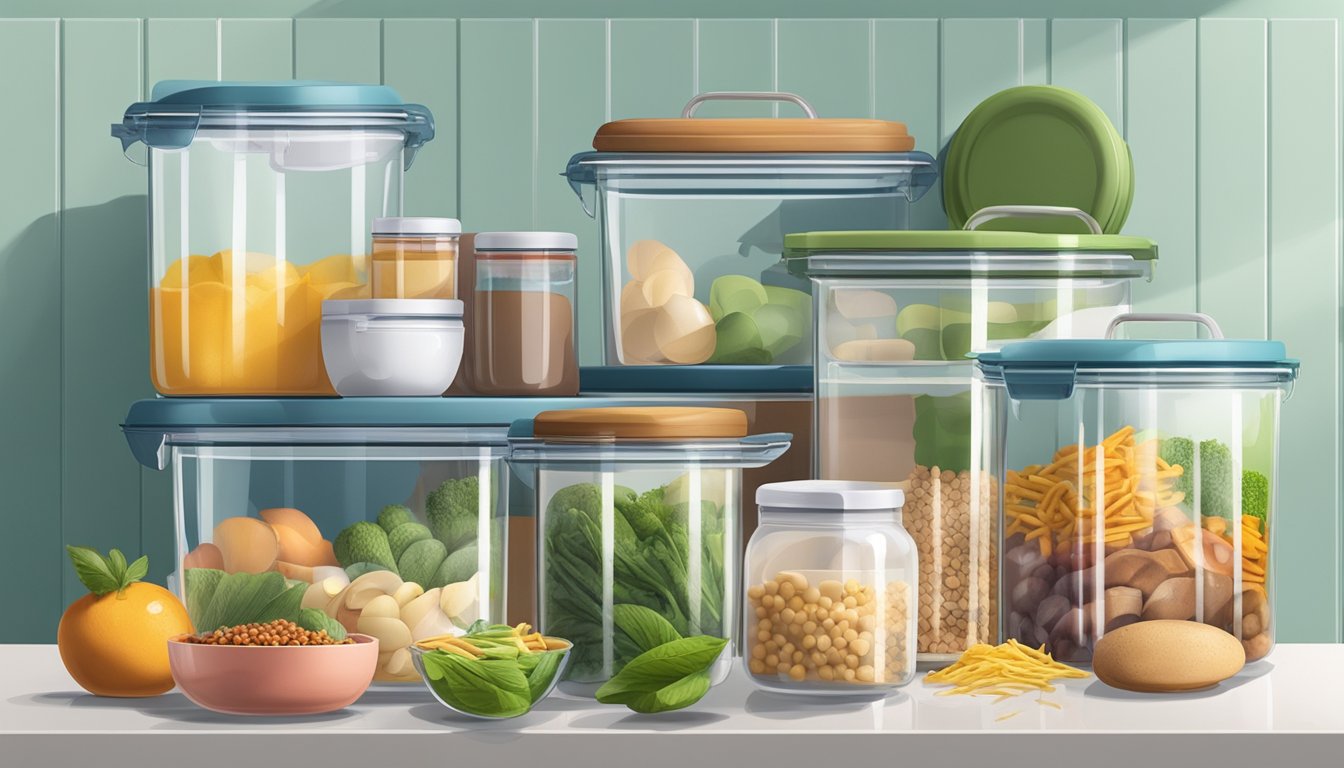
(179, 108)
(1049, 369)
(1039, 145)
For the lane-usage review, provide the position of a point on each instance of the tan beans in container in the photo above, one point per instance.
(952, 517)
(833, 631)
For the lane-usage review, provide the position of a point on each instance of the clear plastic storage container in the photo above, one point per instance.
(897, 314)
(637, 512)
(693, 213)
(415, 257)
(524, 315)
(830, 589)
(394, 531)
(1138, 482)
(260, 200)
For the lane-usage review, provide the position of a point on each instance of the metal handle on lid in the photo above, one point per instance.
(792, 98)
(993, 212)
(1198, 318)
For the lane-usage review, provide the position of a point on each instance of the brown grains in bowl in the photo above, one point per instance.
(274, 633)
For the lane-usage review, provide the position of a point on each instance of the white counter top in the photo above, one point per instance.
(1290, 707)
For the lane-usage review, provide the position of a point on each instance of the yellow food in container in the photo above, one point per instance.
(245, 325)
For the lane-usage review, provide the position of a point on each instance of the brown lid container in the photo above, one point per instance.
(646, 423)
(760, 134)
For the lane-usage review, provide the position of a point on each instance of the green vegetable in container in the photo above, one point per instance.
(364, 542)
(393, 516)
(1255, 495)
(942, 431)
(1215, 473)
(650, 564)
(404, 535)
(452, 510)
(315, 620)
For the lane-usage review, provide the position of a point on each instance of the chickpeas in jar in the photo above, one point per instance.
(831, 596)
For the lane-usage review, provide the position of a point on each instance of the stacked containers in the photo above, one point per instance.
(1138, 483)
(637, 512)
(415, 257)
(693, 212)
(395, 531)
(261, 196)
(896, 397)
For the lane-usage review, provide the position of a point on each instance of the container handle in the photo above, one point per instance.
(993, 212)
(1199, 318)
(688, 111)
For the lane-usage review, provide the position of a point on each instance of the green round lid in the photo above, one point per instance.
(1038, 145)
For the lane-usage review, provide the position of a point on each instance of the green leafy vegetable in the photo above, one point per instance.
(942, 432)
(231, 599)
(639, 629)
(102, 575)
(671, 676)
(651, 569)
(315, 620)
(485, 687)
(540, 669)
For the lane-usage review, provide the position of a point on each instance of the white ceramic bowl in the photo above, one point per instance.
(392, 347)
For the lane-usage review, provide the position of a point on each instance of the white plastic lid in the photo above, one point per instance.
(830, 495)
(527, 241)
(416, 225)
(402, 307)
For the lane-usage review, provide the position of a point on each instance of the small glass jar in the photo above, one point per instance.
(831, 589)
(523, 314)
(415, 257)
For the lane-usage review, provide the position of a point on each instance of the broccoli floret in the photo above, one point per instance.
(364, 542)
(1254, 494)
(1179, 451)
(452, 510)
(1215, 473)
(585, 498)
(394, 515)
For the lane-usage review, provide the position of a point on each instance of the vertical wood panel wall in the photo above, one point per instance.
(1234, 125)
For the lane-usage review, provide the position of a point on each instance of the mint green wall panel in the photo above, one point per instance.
(1233, 188)
(30, 313)
(1304, 311)
(652, 67)
(104, 328)
(736, 55)
(420, 61)
(256, 49)
(1161, 130)
(571, 98)
(338, 49)
(174, 49)
(497, 164)
(904, 91)
(828, 62)
(1087, 55)
(980, 57)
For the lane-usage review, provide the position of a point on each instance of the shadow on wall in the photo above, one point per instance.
(75, 355)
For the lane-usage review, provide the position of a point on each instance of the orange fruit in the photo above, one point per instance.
(116, 643)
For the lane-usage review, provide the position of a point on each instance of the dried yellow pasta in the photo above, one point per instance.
(1002, 670)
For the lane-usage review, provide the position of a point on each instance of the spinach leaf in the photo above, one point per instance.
(201, 585)
(540, 669)
(666, 677)
(314, 620)
(486, 687)
(640, 629)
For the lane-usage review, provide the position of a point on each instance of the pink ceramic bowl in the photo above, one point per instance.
(274, 680)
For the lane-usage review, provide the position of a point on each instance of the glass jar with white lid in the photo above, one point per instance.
(830, 589)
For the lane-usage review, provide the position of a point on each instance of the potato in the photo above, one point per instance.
(1158, 656)
(246, 545)
(637, 339)
(295, 520)
(632, 298)
(684, 331)
(648, 256)
(297, 549)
